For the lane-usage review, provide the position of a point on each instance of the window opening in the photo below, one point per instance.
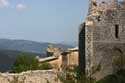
(117, 31)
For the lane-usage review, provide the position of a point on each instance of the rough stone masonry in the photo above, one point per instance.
(38, 76)
(102, 38)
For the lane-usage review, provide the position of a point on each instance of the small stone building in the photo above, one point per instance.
(54, 57)
(61, 59)
(102, 38)
(70, 57)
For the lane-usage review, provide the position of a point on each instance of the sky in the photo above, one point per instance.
(42, 20)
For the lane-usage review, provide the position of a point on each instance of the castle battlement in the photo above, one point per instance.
(98, 6)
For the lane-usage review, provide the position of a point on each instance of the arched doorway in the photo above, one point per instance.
(117, 59)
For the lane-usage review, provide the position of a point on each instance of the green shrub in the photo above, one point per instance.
(45, 66)
(118, 77)
(24, 63)
(73, 76)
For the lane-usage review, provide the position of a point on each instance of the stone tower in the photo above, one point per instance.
(102, 39)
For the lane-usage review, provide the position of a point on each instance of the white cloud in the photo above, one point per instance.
(8, 3)
(4, 3)
(21, 6)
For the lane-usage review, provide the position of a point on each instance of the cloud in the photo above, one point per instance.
(4, 3)
(21, 6)
(8, 3)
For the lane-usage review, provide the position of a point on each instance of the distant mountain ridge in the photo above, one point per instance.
(28, 46)
(71, 43)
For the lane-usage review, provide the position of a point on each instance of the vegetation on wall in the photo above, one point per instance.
(118, 77)
(73, 76)
(45, 66)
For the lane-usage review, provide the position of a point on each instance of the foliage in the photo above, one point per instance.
(24, 63)
(118, 77)
(73, 76)
(45, 66)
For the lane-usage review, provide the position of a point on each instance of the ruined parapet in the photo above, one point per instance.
(53, 51)
(99, 6)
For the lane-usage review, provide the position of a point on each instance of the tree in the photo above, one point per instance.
(27, 62)
(45, 66)
(24, 63)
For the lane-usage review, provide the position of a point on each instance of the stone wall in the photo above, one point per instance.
(73, 58)
(82, 57)
(39, 76)
(57, 63)
(99, 6)
(104, 41)
(70, 58)
(108, 42)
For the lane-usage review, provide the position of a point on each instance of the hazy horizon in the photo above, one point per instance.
(58, 42)
(42, 20)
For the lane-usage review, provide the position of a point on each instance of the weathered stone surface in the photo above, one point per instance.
(104, 39)
(70, 57)
(39, 76)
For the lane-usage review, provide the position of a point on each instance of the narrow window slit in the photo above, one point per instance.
(117, 31)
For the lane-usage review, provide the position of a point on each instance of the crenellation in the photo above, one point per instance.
(98, 7)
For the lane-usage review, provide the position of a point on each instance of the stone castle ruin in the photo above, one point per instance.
(61, 59)
(102, 38)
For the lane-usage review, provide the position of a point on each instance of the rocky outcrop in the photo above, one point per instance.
(38, 76)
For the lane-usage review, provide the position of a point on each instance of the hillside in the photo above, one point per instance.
(28, 46)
